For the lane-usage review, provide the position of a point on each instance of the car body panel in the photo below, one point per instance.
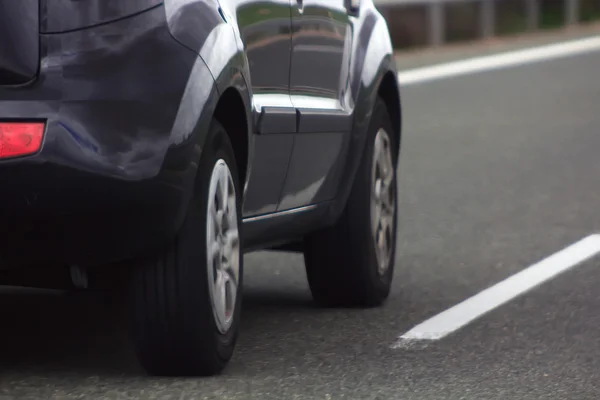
(321, 37)
(84, 14)
(321, 31)
(254, 45)
(112, 122)
(108, 106)
(268, 175)
(370, 60)
(19, 57)
(374, 57)
(128, 104)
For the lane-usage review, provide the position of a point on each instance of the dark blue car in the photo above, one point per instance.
(165, 138)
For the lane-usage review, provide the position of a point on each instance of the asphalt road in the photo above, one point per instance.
(498, 170)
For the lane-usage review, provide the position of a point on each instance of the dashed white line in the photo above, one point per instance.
(463, 313)
(497, 61)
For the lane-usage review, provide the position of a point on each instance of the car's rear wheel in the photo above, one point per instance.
(187, 298)
(352, 263)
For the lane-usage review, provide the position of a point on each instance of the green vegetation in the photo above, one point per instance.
(408, 24)
(512, 18)
(590, 10)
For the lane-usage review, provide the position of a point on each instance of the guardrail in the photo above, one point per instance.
(487, 15)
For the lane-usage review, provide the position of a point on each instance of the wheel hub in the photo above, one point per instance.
(223, 246)
(383, 200)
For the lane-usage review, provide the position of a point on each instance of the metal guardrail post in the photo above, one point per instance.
(533, 14)
(487, 18)
(437, 23)
(572, 11)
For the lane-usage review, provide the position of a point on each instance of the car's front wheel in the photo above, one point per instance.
(187, 297)
(352, 263)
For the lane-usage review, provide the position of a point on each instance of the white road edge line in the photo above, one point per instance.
(497, 61)
(463, 313)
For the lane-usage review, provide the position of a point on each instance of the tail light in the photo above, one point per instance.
(20, 138)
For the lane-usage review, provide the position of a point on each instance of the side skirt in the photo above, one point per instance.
(280, 230)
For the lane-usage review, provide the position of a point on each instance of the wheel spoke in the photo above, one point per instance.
(388, 175)
(388, 216)
(380, 237)
(214, 218)
(387, 154)
(387, 165)
(233, 249)
(376, 217)
(231, 206)
(215, 249)
(224, 190)
(231, 272)
(230, 245)
(387, 200)
(219, 294)
(231, 281)
(233, 240)
(378, 149)
(377, 188)
(224, 295)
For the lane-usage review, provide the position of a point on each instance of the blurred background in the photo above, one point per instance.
(416, 24)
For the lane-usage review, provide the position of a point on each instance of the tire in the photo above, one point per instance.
(342, 263)
(176, 330)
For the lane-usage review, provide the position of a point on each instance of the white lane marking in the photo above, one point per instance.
(461, 314)
(498, 61)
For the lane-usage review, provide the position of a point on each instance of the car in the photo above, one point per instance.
(161, 140)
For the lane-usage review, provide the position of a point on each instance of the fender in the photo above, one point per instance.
(204, 26)
(200, 26)
(373, 58)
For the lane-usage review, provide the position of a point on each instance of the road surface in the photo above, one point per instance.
(499, 170)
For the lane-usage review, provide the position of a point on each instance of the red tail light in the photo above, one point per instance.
(20, 138)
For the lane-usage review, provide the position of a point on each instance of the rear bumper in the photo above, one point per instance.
(108, 182)
(56, 215)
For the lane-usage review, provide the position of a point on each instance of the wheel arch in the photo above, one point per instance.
(227, 101)
(230, 112)
(390, 94)
(228, 68)
(374, 76)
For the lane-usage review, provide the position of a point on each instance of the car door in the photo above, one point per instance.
(321, 47)
(265, 29)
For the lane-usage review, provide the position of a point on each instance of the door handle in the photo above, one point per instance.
(353, 7)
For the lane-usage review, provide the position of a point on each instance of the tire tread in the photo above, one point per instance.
(174, 329)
